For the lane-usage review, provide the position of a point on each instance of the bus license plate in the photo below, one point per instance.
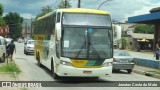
(87, 72)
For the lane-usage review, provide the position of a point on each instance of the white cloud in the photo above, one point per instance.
(4, 14)
(143, 10)
(119, 9)
(27, 15)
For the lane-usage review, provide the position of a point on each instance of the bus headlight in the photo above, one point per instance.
(65, 63)
(107, 64)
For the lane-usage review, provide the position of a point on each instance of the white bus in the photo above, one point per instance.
(75, 42)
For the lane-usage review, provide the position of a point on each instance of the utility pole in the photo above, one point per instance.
(26, 28)
(31, 27)
(79, 3)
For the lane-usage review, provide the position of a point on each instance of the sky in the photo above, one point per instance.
(120, 9)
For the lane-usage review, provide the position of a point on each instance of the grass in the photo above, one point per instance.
(10, 67)
(154, 72)
(24, 89)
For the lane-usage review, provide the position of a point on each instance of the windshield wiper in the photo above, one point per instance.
(90, 44)
(80, 49)
(95, 51)
(87, 43)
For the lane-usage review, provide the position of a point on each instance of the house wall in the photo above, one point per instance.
(133, 44)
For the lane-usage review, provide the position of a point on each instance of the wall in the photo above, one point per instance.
(147, 63)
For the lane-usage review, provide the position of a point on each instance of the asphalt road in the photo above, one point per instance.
(32, 72)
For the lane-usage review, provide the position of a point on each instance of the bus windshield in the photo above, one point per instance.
(87, 43)
(86, 19)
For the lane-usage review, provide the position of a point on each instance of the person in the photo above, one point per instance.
(10, 49)
(157, 50)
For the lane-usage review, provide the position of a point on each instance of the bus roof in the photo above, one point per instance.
(75, 10)
(46, 15)
(83, 10)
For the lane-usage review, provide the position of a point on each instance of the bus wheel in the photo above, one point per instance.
(3, 58)
(129, 71)
(39, 63)
(55, 76)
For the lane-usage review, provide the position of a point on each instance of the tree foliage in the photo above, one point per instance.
(64, 4)
(2, 22)
(123, 42)
(45, 10)
(1, 10)
(48, 8)
(143, 28)
(14, 21)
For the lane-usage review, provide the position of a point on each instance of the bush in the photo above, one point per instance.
(123, 42)
(10, 67)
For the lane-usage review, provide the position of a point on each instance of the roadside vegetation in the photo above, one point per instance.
(154, 72)
(10, 67)
(24, 88)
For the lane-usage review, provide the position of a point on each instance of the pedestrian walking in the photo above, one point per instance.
(10, 49)
(157, 51)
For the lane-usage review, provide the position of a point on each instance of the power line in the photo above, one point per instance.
(88, 4)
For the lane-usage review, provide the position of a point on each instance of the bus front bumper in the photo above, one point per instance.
(63, 70)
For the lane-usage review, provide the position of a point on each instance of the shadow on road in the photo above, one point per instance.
(120, 72)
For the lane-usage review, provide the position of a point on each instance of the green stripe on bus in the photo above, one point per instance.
(94, 62)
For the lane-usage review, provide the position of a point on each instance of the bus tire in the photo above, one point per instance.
(26, 53)
(3, 58)
(129, 71)
(55, 76)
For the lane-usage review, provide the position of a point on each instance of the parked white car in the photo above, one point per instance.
(29, 47)
(19, 40)
(2, 49)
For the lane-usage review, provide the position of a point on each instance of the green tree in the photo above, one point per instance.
(123, 42)
(143, 28)
(1, 10)
(64, 4)
(48, 8)
(2, 22)
(14, 21)
(45, 10)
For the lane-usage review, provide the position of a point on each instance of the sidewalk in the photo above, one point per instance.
(143, 55)
(145, 70)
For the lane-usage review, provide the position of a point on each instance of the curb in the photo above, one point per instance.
(147, 73)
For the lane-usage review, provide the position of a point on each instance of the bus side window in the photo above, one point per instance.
(58, 17)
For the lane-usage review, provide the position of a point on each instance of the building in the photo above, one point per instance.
(152, 18)
(141, 42)
(4, 30)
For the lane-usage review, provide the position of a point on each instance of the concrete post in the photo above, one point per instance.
(156, 35)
